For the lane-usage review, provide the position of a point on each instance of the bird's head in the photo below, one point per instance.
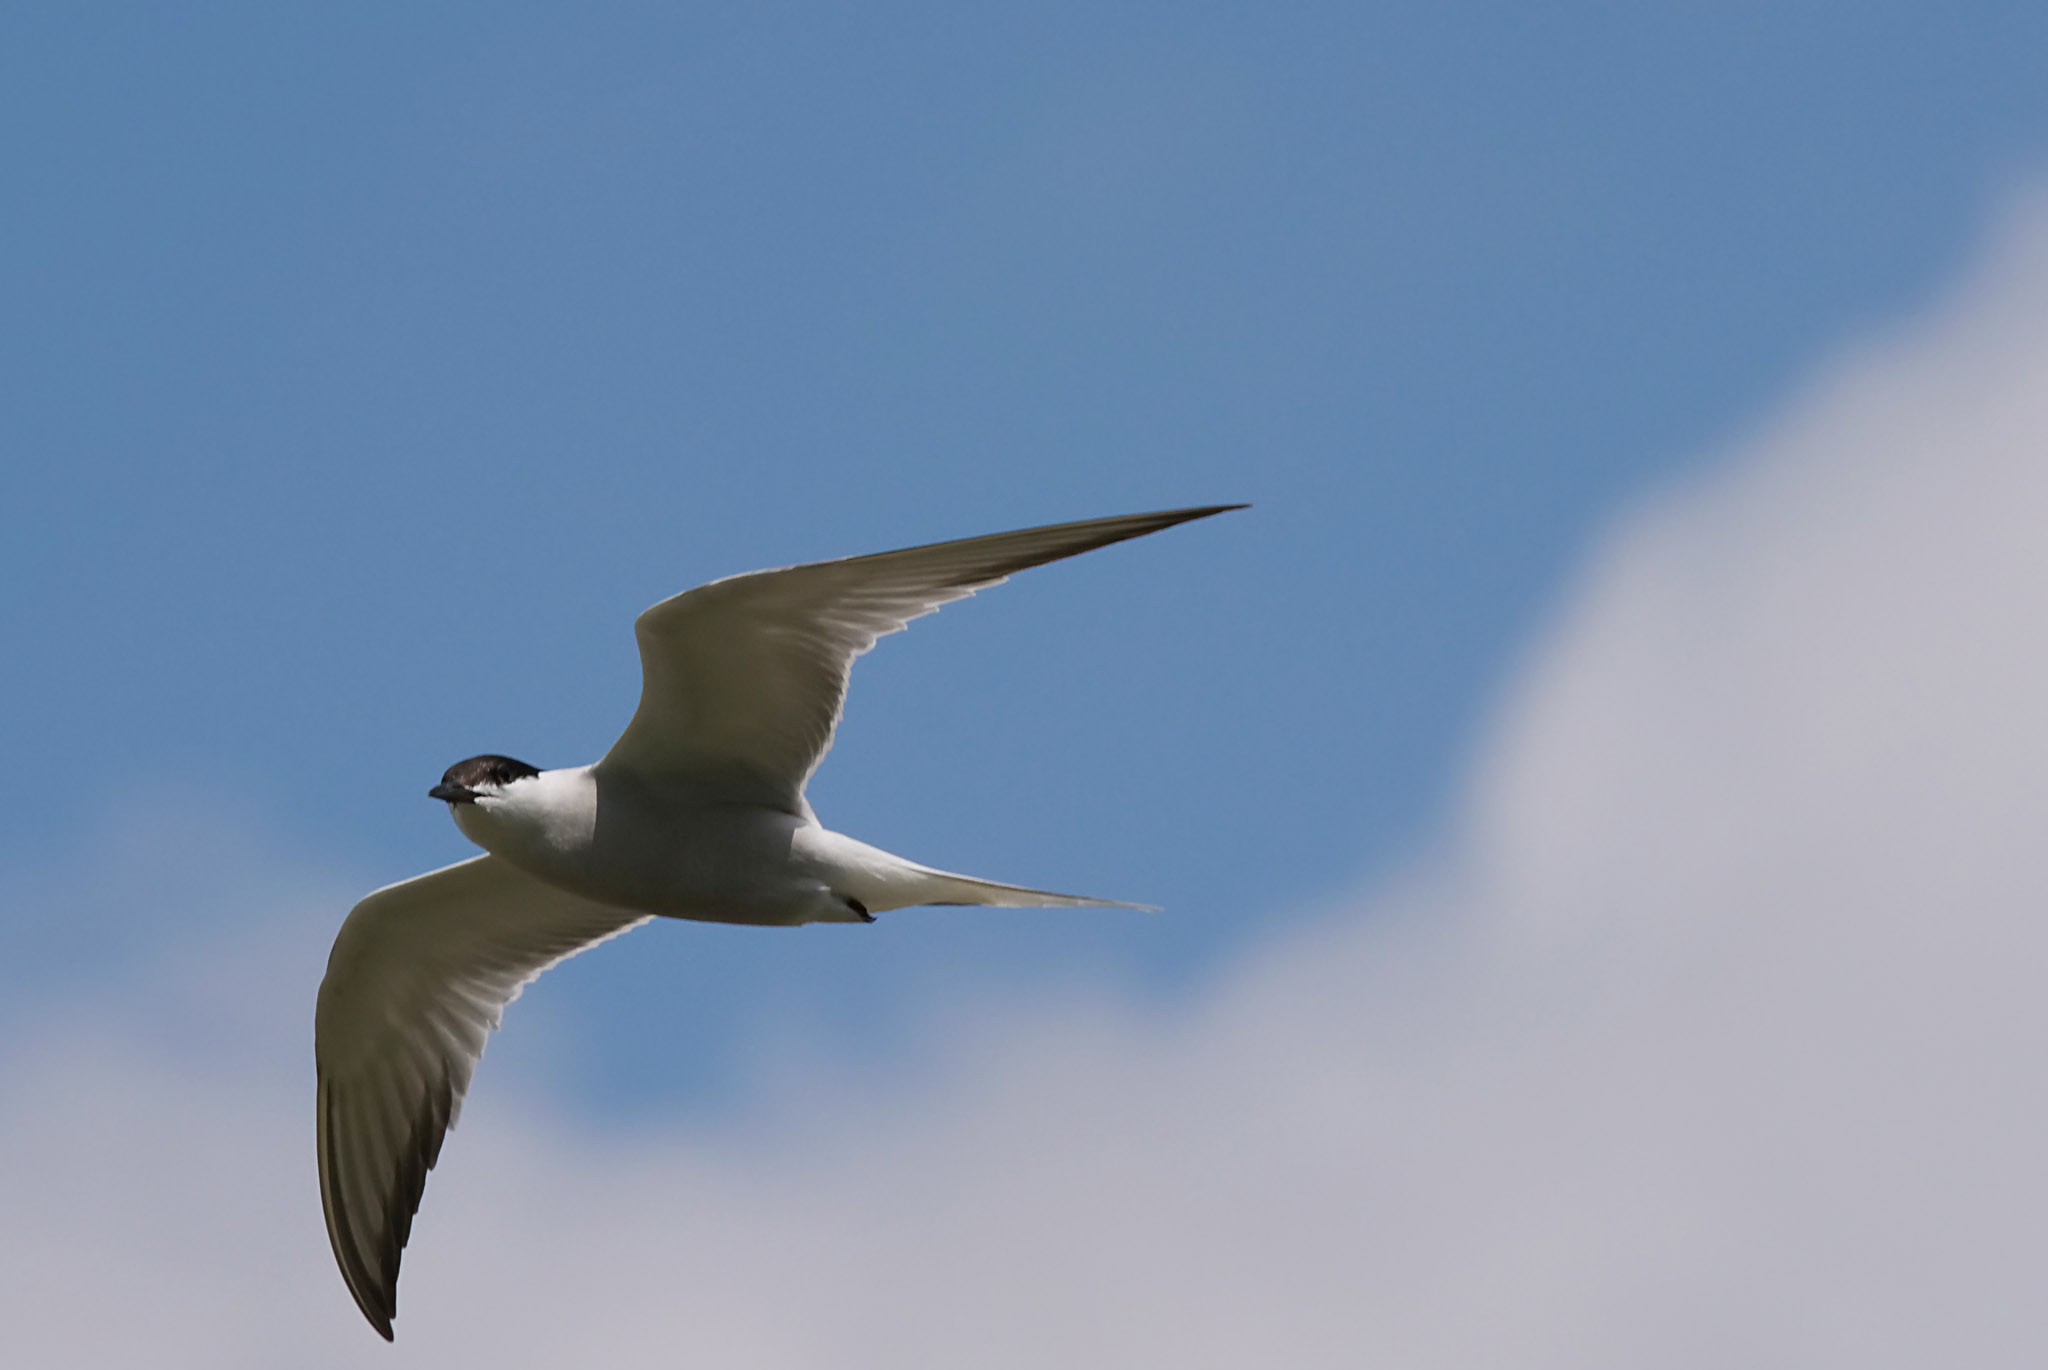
(481, 777)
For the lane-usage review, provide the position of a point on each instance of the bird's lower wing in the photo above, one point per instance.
(419, 976)
(742, 679)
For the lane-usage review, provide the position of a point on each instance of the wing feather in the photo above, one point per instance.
(743, 679)
(419, 976)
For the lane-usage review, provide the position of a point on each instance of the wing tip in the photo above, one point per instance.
(1162, 519)
(340, 1232)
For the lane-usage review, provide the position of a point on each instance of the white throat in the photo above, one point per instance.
(541, 823)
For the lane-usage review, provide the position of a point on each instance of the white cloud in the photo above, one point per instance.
(1714, 1035)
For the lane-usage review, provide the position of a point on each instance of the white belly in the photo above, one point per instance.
(668, 855)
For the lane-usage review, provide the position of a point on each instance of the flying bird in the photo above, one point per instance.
(697, 811)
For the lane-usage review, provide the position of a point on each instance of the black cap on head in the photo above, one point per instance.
(460, 782)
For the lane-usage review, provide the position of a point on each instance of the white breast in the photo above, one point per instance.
(542, 824)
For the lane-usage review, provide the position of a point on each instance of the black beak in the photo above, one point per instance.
(453, 794)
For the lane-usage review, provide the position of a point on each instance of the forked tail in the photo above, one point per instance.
(944, 887)
(875, 881)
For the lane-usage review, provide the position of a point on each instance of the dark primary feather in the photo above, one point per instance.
(418, 978)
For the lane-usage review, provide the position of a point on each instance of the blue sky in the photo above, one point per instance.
(1595, 790)
(366, 372)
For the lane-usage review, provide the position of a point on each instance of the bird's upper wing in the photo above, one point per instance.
(420, 974)
(742, 679)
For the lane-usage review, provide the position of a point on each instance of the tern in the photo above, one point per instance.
(697, 811)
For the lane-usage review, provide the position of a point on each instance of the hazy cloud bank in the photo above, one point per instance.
(1713, 1035)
